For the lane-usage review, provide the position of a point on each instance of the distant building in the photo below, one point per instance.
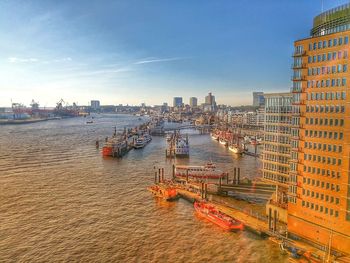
(210, 104)
(177, 102)
(95, 105)
(193, 102)
(258, 99)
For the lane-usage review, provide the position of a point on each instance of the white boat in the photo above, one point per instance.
(223, 142)
(182, 148)
(206, 171)
(214, 137)
(142, 141)
(235, 149)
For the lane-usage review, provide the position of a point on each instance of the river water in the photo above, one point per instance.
(61, 201)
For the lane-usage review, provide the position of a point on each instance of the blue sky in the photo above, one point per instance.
(149, 51)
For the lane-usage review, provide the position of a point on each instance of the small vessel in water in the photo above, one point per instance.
(214, 136)
(142, 141)
(217, 217)
(207, 171)
(182, 148)
(116, 146)
(223, 142)
(166, 192)
(88, 122)
(235, 149)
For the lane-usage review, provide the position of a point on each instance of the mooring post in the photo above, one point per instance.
(173, 171)
(239, 175)
(163, 174)
(206, 191)
(226, 178)
(159, 175)
(234, 175)
(155, 177)
(186, 175)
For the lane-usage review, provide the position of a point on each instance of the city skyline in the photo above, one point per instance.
(50, 50)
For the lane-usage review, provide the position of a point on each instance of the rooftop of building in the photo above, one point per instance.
(332, 21)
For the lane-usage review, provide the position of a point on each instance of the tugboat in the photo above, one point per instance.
(166, 192)
(219, 218)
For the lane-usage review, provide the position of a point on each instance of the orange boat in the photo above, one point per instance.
(211, 213)
(166, 192)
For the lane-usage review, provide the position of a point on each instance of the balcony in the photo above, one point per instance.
(298, 66)
(298, 78)
(299, 53)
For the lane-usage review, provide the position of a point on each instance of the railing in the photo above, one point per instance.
(300, 66)
(299, 53)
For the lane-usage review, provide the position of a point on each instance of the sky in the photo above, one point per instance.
(135, 51)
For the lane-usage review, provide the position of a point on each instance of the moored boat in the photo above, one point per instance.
(166, 192)
(235, 149)
(217, 217)
(223, 142)
(182, 148)
(206, 171)
(142, 141)
(214, 136)
(115, 146)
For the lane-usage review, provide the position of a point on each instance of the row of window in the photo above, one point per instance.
(320, 208)
(342, 54)
(326, 108)
(323, 147)
(277, 129)
(322, 159)
(323, 172)
(277, 139)
(276, 158)
(324, 134)
(327, 70)
(277, 148)
(275, 177)
(330, 43)
(324, 121)
(277, 119)
(276, 168)
(339, 95)
(322, 197)
(339, 82)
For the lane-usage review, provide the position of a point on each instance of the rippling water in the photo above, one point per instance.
(61, 201)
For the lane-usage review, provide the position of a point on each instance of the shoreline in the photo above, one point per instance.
(27, 121)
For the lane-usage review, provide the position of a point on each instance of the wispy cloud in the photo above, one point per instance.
(22, 60)
(146, 61)
(34, 60)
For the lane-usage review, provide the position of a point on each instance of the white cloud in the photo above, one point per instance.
(146, 61)
(22, 60)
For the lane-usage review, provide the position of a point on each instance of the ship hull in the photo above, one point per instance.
(215, 218)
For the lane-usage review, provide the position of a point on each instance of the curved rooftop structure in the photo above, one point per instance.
(332, 21)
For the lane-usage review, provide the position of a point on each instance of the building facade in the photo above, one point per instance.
(276, 153)
(193, 102)
(95, 104)
(258, 99)
(177, 102)
(319, 190)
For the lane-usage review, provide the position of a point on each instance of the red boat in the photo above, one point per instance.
(115, 146)
(166, 192)
(217, 217)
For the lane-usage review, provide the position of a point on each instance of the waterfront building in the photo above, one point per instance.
(258, 99)
(260, 118)
(250, 118)
(319, 191)
(193, 102)
(177, 102)
(95, 104)
(276, 153)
